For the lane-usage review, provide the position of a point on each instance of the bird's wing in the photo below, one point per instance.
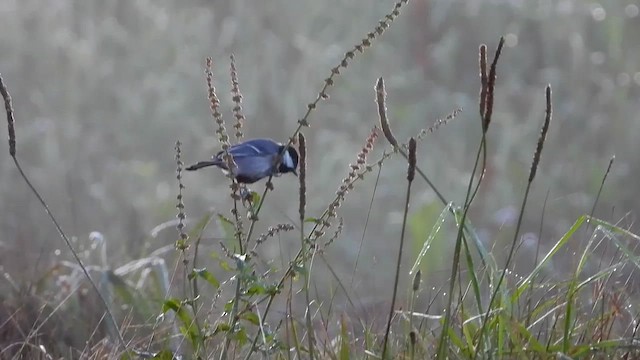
(252, 148)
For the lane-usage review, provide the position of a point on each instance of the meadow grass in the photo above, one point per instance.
(253, 308)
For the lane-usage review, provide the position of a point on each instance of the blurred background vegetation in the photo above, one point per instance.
(103, 89)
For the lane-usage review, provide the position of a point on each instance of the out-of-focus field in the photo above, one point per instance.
(103, 89)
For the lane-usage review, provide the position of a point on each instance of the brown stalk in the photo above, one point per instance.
(543, 136)
(381, 96)
(491, 83)
(483, 79)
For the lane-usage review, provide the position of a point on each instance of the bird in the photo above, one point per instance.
(255, 159)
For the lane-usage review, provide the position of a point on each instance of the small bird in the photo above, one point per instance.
(255, 159)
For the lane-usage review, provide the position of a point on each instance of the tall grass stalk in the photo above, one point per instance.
(411, 173)
(12, 151)
(532, 174)
(190, 285)
(487, 89)
(302, 142)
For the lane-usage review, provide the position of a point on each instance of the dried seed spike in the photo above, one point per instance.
(491, 83)
(335, 234)
(412, 338)
(350, 54)
(214, 105)
(416, 281)
(382, 113)
(8, 107)
(411, 171)
(353, 176)
(302, 164)
(303, 122)
(237, 99)
(272, 231)
(436, 125)
(181, 244)
(483, 79)
(543, 136)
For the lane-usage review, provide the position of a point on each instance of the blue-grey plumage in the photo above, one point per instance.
(255, 159)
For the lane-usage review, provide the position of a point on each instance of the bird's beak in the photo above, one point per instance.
(294, 172)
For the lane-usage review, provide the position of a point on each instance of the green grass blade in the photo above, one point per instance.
(432, 235)
(556, 247)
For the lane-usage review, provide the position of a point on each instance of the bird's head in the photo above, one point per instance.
(289, 162)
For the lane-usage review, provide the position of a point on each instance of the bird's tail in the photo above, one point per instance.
(202, 164)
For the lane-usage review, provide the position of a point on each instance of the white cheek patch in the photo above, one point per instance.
(287, 160)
